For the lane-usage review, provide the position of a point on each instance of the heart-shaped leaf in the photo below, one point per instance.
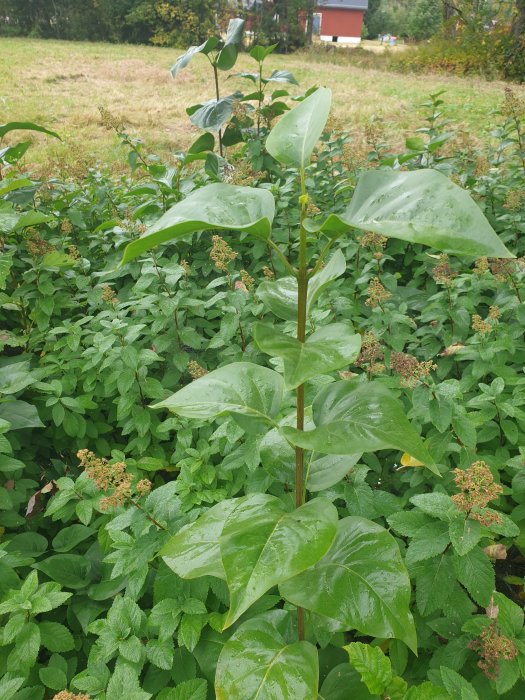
(327, 349)
(280, 296)
(258, 662)
(352, 417)
(194, 550)
(240, 388)
(361, 581)
(421, 206)
(262, 544)
(216, 206)
(213, 114)
(293, 138)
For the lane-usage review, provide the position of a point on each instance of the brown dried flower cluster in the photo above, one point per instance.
(513, 107)
(143, 487)
(111, 476)
(370, 353)
(195, 370)
(502, 268)
(247, 280)
(493, 647)
(185, 266)
(372, 240)
(267, 272)
(374, 132)
(481, 266)
(410, 370)
(514, 200)
(66, 226)
(36, 245)
(442, 272)
(109, 294)
(73, 252)
(221, 253)
(480, 326)
(66, 695)
(110, 121)
(477, 488)
(481, 166)
(243, 174)
(377, 294)
(494, 313)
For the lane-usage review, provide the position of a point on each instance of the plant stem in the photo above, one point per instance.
(217, 94)
(302, 292)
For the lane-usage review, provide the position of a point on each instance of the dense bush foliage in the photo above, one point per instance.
(95, 482)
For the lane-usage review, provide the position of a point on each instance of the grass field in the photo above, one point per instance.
(61, 84)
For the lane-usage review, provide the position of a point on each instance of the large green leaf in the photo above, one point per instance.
(241, 388)
(322, 471)
(228, 55)
(327, 349)
(216, 206)
(361, 582)
(353, 416)
(186, 57)
(293, 138)
(421, 206)
(280, 296)
(262, 544)
(213, 114)
(194, 550)
(25, 126)
(258, 662)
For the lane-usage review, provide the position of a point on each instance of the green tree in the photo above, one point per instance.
(424, 20)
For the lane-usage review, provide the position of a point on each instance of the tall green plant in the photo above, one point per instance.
(345, 574)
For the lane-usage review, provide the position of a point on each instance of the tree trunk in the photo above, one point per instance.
(517, 28)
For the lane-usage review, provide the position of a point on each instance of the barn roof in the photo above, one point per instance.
(344, 4)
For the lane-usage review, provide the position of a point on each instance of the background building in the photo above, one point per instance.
(341, 20)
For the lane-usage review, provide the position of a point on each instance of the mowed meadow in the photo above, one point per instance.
(61, 85)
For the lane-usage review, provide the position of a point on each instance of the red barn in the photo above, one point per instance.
(341, 20)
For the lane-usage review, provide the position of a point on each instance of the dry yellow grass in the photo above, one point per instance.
(61, 84)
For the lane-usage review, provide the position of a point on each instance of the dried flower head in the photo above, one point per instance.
(247, 280)
(442, 272)
(221, 253)
(371, 352)
(374, 241)
(513, 107)
(493, 647)
(66, 226)
(195, 370)
(107, 475)
(481, 166)
(36, 245)
(67, 695)
(480, 326)
(109, 294)
(143, 487)
(267, 272)
(514, 200)
(494, 313)
(377, 294)
(73, 252)
(477, 488)
(110, 121)
(502, 268)
(495, 551)
(185, 266)
(481, 266)
(374, 132)
(410, 370)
